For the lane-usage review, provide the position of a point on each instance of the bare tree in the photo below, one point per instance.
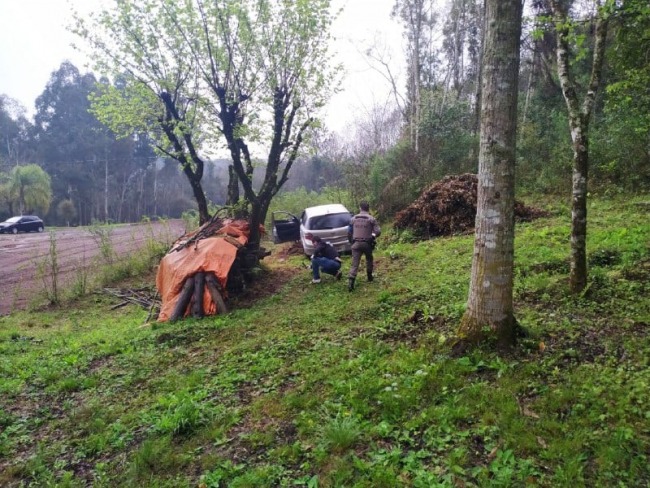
(579, 116)
(419, 19)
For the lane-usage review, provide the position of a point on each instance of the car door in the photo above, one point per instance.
(286, 227)
(24, 224)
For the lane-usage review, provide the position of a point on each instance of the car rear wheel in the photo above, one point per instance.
(14, 230)
(40, 228)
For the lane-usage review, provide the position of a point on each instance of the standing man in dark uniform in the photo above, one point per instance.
(362, 231)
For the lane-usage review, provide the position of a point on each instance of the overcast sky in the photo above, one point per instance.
(34, 41)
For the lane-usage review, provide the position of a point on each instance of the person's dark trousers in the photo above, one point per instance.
(329, 266)
(361, 248)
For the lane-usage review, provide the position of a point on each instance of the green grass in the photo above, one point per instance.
(315, 386)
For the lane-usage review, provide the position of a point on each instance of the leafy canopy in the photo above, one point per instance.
(196, 50)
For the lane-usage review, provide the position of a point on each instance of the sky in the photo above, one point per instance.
(34, 42)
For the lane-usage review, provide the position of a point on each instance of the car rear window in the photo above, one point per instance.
(329, 221)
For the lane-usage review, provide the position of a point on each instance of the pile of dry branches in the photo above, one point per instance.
(448, 207)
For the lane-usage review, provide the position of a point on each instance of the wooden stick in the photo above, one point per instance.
(153, 304)
(183, 300)
(199, 287)
(214, 288)
(120, 305)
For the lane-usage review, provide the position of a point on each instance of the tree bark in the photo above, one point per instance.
(579, 127)
(214, 288)
(233, 186)
(489, 312)
(184, 146)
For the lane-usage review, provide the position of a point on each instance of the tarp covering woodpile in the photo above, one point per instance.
(448, 207)
(196, 269)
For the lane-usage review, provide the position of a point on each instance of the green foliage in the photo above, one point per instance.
(628, 94)
(66, 211)
(101, 234)
(544, 149)
(194, 76)
(620, 158)
(316, 386)
(29, 189)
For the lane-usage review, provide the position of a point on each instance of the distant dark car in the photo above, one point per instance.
(23, 223)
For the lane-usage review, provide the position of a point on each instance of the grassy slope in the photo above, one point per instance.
(314, 386)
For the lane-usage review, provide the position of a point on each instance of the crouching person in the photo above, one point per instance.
(325, 259)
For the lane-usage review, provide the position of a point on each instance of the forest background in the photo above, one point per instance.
(388, 154)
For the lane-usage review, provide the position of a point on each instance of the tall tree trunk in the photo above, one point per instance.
(233, 186)
(155, 187)
(529, 87)
(579, 126)
(578, 265)
(21, 199)
(479, 95)
(490, 306)
(105, 188)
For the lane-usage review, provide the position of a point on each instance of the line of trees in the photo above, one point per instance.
(93, 174)
(581, 122)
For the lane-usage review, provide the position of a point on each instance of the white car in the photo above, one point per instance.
(330, 222)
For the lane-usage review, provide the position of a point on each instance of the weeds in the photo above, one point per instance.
(341, 433)
(48, 270)
(101, 234)
(81, 284)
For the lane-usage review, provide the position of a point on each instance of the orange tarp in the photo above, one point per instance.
(211, 254)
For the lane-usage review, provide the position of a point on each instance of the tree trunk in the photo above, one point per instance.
(579, 126)
(169, 126)
(233, 186)
(183, 300)
(489, 312)
(201, 201)
(214, 288)
(199, 288)
(106, 189)
(578, 267)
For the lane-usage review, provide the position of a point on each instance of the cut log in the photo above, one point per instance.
(214, 288)
(199, 288)
(183, 300)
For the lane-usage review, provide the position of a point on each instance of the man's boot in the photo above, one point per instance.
(370, 277)
(350, 284)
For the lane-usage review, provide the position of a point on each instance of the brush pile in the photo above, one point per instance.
(448, 207)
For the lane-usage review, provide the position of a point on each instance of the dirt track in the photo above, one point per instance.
(77, 249)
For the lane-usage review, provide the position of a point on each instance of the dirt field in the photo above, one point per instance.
(76, 249)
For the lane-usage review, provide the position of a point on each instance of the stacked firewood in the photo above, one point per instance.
(192, 296)
(241, 272)
(208, 229)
